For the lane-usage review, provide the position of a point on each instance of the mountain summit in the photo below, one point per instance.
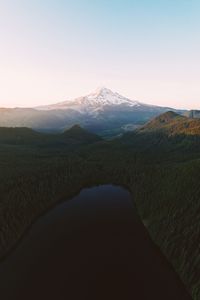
(102, 112)
(93, 102)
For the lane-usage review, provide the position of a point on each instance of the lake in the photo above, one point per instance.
(92, 246)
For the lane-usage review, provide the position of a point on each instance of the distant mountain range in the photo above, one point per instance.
(103, 111)
(158, 161)
(165, 132)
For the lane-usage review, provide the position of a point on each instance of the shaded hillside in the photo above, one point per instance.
(77, 133)
(38, 119)
(109, 121)
(27, 136)
(23, 135)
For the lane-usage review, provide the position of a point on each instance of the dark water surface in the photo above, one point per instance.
(89, 248)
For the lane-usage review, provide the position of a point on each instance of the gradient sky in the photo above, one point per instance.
(147, 50)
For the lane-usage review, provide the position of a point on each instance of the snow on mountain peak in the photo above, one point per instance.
(95, 101)
(104, 96)
(102, 92)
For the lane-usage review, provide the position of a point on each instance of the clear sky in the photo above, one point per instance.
(52, 50)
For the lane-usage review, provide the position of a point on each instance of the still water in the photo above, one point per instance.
(91, 247)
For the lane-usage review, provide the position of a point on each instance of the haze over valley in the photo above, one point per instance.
(103, 112)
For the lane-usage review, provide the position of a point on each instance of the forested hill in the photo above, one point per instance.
(77, 133)
(173, 124)
(167, 134)
(26, 136)
(159, 163)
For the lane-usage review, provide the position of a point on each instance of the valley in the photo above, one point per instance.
(159, 167)
(103, 112)
(99, 150)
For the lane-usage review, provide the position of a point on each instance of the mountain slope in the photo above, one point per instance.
(173, 124)
(93, 102)
(80, 135)
(167, 133)
(103, 112)
(32, 118)
(26, 136)
(108, 113)
(98, 101)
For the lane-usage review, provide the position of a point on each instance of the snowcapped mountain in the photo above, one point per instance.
(103, 112)
(93, 102)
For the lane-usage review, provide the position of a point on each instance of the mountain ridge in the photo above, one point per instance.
(27, 136)
(102, 112)
(173, 124)
(100, 97)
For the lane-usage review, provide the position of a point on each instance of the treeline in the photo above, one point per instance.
(162, 174)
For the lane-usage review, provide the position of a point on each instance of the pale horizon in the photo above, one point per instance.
(40, 103)
(52, 51)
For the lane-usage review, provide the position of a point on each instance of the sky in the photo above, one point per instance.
(147, 50)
